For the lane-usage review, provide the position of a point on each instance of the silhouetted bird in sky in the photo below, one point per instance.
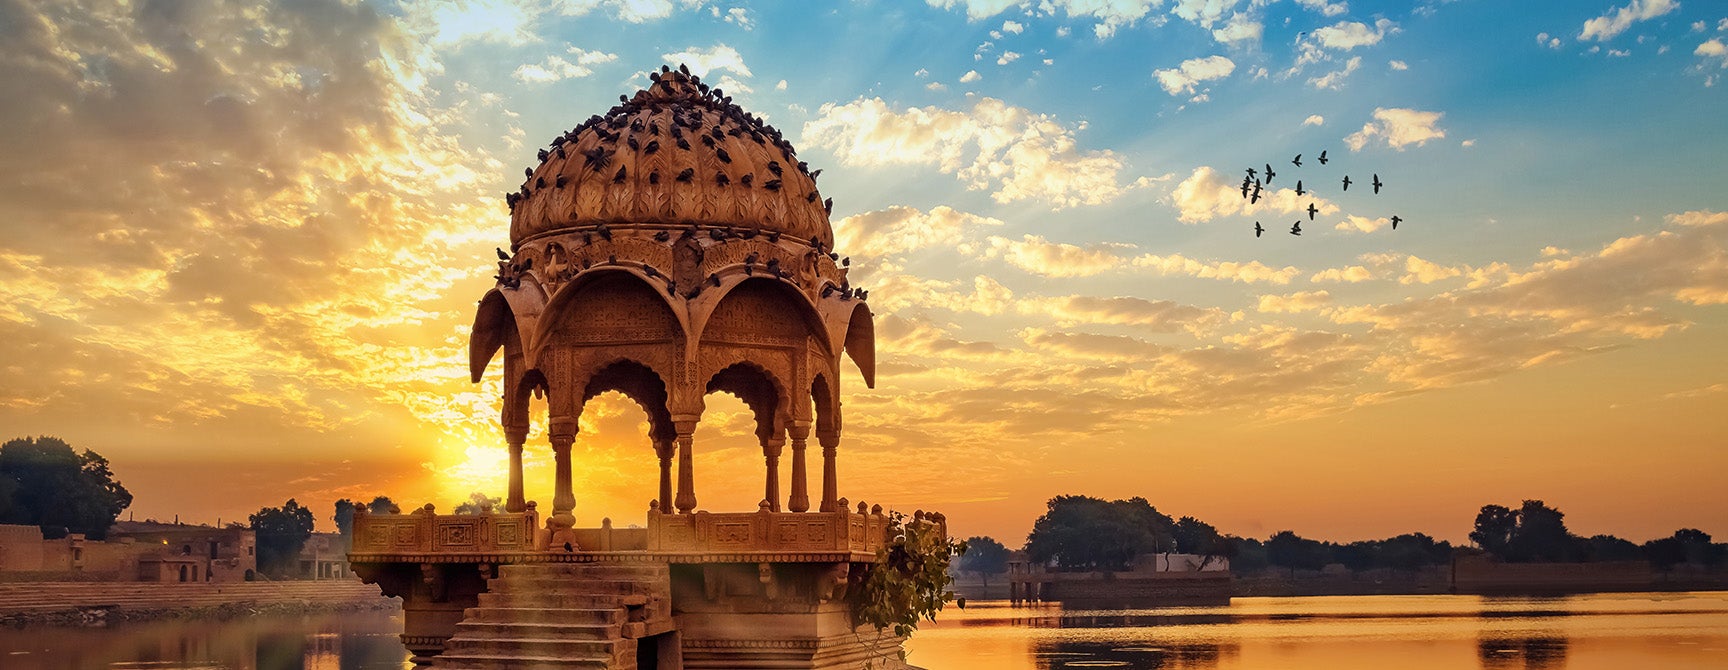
(1258, 229)
(1269, 174)
(1346, 182)
(1297, 161)
(1299, 190)
(1296, 229)
(1322, 158)
(1311, 211)
(1246, 182)
(1395, 221)
(1250, 173)
(1256, 197)
(1377, 182)
(501, 255)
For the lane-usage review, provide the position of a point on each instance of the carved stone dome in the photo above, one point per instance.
(676, 154)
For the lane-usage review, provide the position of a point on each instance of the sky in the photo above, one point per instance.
(241, 245)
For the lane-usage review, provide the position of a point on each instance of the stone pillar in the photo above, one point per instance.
(771, 458)
(515, 503)
(686, 470)
(800, 501)
(664, 449)
(830, 479)
(563, 433)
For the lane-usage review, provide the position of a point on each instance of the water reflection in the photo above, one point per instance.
(1545, 652)
(1143, 656)
(356, 641)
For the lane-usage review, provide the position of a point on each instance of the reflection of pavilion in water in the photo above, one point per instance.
(1138, 655)
(1528, 652)
(671, 249)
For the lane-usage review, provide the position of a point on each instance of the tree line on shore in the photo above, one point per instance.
(1083, 533)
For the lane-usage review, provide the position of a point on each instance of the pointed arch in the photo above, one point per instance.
(860, 343)
(768, 308)
(610, 303)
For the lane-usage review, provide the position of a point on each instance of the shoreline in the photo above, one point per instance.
(95, 604)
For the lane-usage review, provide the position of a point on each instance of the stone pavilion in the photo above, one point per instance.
(668, 249)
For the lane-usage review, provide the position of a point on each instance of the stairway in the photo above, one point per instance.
(562, 615)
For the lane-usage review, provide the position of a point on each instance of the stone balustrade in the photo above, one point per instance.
(838, 532)
(703, 536)
(425, 532)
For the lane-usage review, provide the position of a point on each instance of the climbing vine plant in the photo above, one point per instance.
(909, 581)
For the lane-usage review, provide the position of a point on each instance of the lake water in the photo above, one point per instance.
(1618, 631)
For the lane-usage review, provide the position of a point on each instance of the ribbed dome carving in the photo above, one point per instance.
(675, 154)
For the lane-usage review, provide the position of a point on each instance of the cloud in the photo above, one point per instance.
(1558, 309)
(279, 217)
(1016, 154)
(900, 230)
(970, 76)
(1206, 195)
(1158, 316)
(1361, 224)
(1335, 80)
(1398, 127)
(1203, 13)
(1301, 301)
(1182, 79)
(703, 61)
(1014, 27)
(1347, 35)
(555, 68)
(1713, 50)
(1007, 57)
(1110, 15)
(1039, 256)
(1548, 41)
(1398, 65)
(1605, 27)
(1314, 120)
(739, 16)
(1350, 275)
(1323, 7)
(1242, 28)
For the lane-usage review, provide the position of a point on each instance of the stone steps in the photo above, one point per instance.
(561, 615)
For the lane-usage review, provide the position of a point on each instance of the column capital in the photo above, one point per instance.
(564, 427)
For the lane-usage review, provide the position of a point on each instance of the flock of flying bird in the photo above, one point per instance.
(1252, 186)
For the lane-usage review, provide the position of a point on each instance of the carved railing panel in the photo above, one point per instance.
(425, 532)
(786, 532)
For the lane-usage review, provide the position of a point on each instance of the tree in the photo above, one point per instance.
(281, 532)
(43, 482)
(344, 516)
(1085, 533)
(1610, 548)
(1533, 532)
(1542, 535)
(1290, 551)
(984, 557)
(478, 502)
(1494, 528)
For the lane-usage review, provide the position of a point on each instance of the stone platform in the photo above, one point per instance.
(731, 590)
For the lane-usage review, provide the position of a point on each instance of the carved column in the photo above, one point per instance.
(771, 458)
(800, 501)
(515, 503)
(686, 470)
(830, 481)
(563, 432)
(664, 449)
(515, 422)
